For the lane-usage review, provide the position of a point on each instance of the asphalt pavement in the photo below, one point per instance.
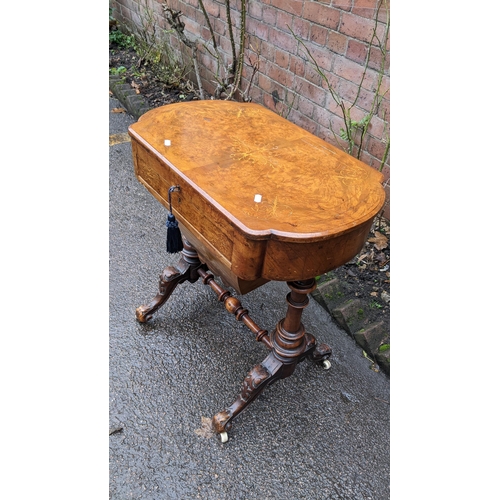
(319, 434)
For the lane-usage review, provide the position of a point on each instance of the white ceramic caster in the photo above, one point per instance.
(223, 437)
(326, 364)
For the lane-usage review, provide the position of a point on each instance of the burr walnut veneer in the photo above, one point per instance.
(258, 199)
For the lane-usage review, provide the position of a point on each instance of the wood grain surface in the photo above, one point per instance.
(317, 202)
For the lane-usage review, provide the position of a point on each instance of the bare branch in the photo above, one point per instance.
(173, 18)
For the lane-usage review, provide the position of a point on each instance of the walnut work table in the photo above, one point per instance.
(257, 198)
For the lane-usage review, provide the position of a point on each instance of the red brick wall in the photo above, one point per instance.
(337, 33)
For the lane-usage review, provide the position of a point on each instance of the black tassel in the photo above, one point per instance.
(174, 236)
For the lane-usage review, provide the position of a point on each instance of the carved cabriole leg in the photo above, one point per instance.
(259, 377)
(186, 270)
(290, 344)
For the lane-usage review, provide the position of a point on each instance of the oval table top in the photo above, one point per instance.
(269, 177)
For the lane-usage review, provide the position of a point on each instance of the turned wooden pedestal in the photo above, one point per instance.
(257, 199)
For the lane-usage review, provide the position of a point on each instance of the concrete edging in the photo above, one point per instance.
(350, 316)
(134, 103)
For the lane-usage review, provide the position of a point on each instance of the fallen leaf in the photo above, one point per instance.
(361, 257)
(118, 110)
(118, 138)
(206, 429)
(136, 87)
(380, 241)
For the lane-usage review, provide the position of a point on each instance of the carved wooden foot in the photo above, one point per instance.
(186, 270)
(320, 354)
(316, 353)
(259, 377)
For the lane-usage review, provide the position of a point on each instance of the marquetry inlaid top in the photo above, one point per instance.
(236, 153)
